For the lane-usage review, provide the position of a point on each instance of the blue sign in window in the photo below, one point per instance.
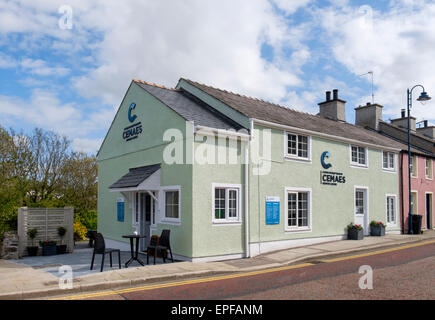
(120, 206)
(272, 210)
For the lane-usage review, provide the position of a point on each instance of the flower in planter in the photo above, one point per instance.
(47, 243)
(377, 224)
(354, 226)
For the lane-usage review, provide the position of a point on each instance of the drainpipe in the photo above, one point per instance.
(401, 191)
(247, 253)
(248, 143)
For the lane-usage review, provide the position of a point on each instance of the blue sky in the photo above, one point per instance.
(288, 52)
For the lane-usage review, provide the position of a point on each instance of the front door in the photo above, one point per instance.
(361, 209)
(428, 210)
(145, 218)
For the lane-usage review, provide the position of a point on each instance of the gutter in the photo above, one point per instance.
(221, 133)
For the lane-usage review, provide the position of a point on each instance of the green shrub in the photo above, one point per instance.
(80, 230)
(89, 219)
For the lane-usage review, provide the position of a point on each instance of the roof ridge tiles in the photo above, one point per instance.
(154, 84)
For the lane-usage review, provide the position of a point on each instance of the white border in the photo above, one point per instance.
(365, 227)
(227, 221)
(416, 200)
(394, 170)
(395, 210)
(415, 165)
(431, 162)
(287, 229)
(357, 164)
(165, 220)
(431, 216)
(291, 157)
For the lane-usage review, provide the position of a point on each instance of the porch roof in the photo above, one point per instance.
(135, 176)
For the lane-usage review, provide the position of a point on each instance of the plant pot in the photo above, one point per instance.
(49, 250)
(377, 231)
(32, 251)
(354, 234)
(61, 249)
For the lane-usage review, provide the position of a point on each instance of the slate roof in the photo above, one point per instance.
(135, 176)
(189, 107)
(263, 110)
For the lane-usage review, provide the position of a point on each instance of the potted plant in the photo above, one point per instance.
(377, 228)
(33, 250)
(355, 232)
(61, 249)
(48, 247)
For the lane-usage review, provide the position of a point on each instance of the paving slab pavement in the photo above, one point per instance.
(19, 281)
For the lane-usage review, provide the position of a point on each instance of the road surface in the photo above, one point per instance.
(406, 272)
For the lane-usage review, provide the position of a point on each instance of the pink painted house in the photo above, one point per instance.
(422, 163)
(422, 190)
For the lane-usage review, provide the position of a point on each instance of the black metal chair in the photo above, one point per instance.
(165, 245)
(152, 248)
(100, 248)
(91, 235)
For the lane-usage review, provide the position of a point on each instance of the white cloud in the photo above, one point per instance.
(87, 145)
(44, 109)
(40, 68)
(290, 7)
(398, 45)
(212, 42)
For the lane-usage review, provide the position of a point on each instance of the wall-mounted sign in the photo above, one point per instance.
(133, 131)
(272, 210)
(332, 178)
(120, 209)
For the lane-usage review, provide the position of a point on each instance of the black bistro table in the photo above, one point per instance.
(134, 254)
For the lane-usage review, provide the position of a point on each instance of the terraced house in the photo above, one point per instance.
(233, 176)
(422, 141)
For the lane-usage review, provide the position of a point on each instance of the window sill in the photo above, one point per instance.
(297, 230)
(389, 170)
(173, 222)
(359, 166)
(226, 222)
(297, 159)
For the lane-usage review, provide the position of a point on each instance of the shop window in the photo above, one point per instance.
(391, 209)
(298, 146)
(429, 168)
(226, 206)
(358, 156)
(388, 161)
(298, 210)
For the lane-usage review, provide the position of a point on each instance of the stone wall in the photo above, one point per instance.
(9, 247)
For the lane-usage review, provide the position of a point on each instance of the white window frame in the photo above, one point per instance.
(164, 218)
(388, 153)
(416, 201)
(293, 229)
(289, 156)
(357, 164)
(428, 160)
(391, 224)
(234, 220)
(414, 166)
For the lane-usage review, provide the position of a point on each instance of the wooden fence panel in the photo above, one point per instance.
(45, 221)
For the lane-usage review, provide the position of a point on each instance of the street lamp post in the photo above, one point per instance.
(423, 97)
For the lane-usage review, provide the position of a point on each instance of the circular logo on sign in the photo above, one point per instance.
(325, 155)
(131, 118)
